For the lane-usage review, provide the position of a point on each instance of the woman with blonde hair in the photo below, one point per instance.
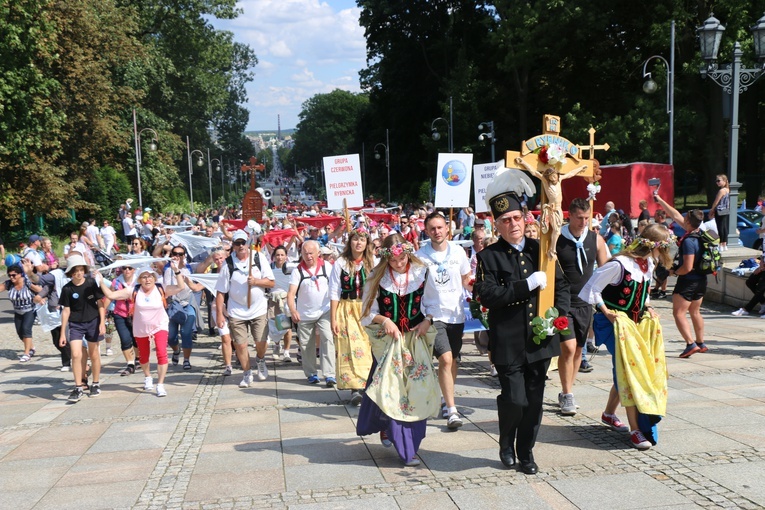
(720, 209)
(346, 283)
(402, 391)
(625, 322)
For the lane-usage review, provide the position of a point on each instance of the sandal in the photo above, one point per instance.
(128, 370)
(176, 356)
(32, 352)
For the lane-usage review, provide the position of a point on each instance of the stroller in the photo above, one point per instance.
(101, 257)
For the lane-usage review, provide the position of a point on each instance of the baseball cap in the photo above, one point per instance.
(240, 235)
(33, 238)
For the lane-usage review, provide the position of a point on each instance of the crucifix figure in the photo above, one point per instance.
(252, 204)
(252, 168)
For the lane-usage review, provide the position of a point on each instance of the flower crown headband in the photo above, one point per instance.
(396, 250)
(361, 232)
(642, 241)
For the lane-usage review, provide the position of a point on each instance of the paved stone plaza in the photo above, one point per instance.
(282, 443)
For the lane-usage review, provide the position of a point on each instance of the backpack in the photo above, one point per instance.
(231, 268)
(708, 260)
(304, 277)
(131, 304)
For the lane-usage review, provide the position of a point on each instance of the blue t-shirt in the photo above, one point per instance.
(615, 243)
(690, 246)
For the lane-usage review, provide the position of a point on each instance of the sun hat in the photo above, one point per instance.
(146, 269)
(75, 261)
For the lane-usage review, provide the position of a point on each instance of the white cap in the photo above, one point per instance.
(147, 209)
(240, 235)
(146, 269)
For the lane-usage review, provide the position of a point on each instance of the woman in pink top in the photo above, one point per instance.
(150, 320)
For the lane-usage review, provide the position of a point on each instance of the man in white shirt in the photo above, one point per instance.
(32, 254)
(128, 228)
(448, 275)
(250, 278)
(308, 301)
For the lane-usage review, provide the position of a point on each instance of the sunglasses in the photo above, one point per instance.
(177, 254)
(128, 268)
(240, 243)
(12, 275)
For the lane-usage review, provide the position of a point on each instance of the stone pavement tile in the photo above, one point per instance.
(379, 502)
(552, 432)
(310, 395)
(521, 497)
(634, 490)
(339, 425)
(337, 439)
(742, 479)
(300, 414)
(121, 494)
(136, 435)
(233, 397)
(474, 414)
(675, 442)
(425, 501)
(233, 462)
(482, 400)
(23, 500)
(88, 409)
(33, 474)
(211, 486)
(715, 415)
(65, 446)
(326, 451)
(79, 430)
(468, 437)
(571, 453)
(464, 462)
(111, 467)
(46, 414)
(221, 433)
(724, 381)
(712, 393)
(244, 419)
(325, 476)
(751, 436)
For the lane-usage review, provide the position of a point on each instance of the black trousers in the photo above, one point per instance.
(756, 283)
(519, 406)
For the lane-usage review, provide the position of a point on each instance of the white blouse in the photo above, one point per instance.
(417, 275)
(611, 273)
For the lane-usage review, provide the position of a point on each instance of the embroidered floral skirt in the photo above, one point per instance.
(354, 355)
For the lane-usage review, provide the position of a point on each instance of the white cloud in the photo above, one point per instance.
(304, 47)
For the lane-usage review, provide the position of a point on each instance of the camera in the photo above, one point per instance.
(288, 267)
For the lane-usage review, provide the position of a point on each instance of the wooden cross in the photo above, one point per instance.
(252, 168)
(592, 147)
(528, 159)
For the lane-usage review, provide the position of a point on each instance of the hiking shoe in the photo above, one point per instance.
(109, 352)
(568, 407)
(454, 421)
(702, 347)
(356, 397)
(24, 358)
(384, 439)
(740, 312)
(129, 369)
(186, 364)
(277, 350)
(689, 351)
(613, 422)
(246, 379)
(260, 364)
(662, 294)
(148, 383)
(227, 370)
(585, 367)
(75, 395)
(287, 358)
(313, 379)
(331, 382)
(592, 348)
(638, 440)
(161, 390)
(95, 389)
(176, 357)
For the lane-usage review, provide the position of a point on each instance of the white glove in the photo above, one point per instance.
(537, 279)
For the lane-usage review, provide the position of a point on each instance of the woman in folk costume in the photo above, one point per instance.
(349, 274)
(402, 390)
(631, 332)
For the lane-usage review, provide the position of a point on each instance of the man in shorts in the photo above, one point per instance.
(448, 275)
(249, 278)
(84, 312)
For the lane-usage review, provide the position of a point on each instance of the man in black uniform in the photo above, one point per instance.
(506, 283)
(578, 249)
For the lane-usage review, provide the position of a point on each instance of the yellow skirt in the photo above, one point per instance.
(354, 355)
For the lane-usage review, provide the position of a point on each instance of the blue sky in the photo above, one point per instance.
(304, 47)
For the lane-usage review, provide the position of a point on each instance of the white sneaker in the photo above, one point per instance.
(227, 371)
(287, 358)
(260, 363)
(453, 422)
(493, 372)
(740, 312)
(109, 351)
(277, 350)
(66, 368)
(148, 383)
(161, 390)
(246, 379)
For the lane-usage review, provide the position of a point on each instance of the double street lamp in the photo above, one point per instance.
(200, 162)
(385, 145)
(734, 80)
(650, 86)
(490, 135)
(209, 173)
(152, 147)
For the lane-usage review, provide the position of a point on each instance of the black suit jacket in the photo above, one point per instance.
(501, 287)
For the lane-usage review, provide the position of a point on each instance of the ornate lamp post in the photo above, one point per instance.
(386, 145)
(449, 128)
(650, 86)
(490, 135)
(734, 80)
(152, 147)
(200, 162)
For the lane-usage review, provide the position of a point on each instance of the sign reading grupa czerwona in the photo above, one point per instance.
(343, 177)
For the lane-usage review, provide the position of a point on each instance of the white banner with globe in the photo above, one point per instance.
(453, 177)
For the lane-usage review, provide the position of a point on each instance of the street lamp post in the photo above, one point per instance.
(387, 157)
(200, 162)
(734, 80)
(449, 128)
(650, 86)
(152, 147)
(209, 174)
(218, 168)
(490, 135)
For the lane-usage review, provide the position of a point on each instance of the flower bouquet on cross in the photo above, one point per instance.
(548, 325)
(551, 154)
(478, 311)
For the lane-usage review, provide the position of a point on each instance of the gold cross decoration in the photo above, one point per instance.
(592, 147)
(252, 168)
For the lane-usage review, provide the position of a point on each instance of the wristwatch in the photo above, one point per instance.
(430, 318)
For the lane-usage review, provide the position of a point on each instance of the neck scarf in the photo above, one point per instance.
(581, 255)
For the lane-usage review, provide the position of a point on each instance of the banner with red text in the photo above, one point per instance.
(343, 177)
(483, 175)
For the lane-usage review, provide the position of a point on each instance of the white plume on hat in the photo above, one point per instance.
(510, 179)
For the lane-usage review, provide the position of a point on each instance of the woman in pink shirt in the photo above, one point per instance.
(150, 320)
